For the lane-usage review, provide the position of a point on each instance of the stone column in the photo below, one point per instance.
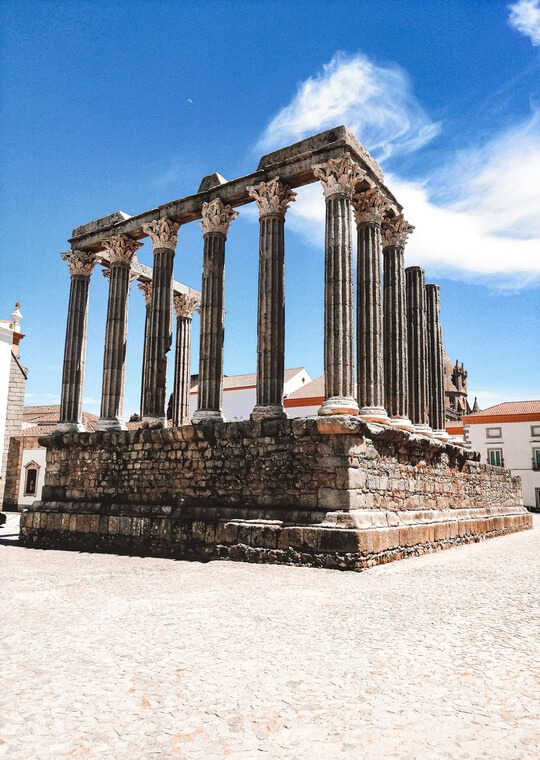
(164, 236)
(216, 218)
(272, 200)
(121, 250)
(80, 264)
(338, 176)
(184, 306)
(395, 231)
(417, 349)
(435, 363)
(369, 207)
(146, 288)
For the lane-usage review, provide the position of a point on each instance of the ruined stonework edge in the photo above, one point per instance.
(265, 542)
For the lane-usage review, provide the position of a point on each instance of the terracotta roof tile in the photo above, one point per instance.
(313, 389)
(509, 407)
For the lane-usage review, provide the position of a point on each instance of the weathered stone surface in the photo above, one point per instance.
(272, 200)
(338, 178)
(367, 491)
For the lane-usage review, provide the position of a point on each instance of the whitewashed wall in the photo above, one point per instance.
(517, 445)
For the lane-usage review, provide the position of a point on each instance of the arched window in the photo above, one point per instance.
(31, 475)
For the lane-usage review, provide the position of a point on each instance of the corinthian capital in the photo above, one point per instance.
(272, 197)
(185, 304)
(395, 231)
(369, 206)
(339, 175)
(216, 217)
(121, 249)
(79, 262)
(163, 233)
(146, 288)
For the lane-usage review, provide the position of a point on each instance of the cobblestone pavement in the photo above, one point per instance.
(123, 657)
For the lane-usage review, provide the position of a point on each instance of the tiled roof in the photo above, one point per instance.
(507, 408)
(313, 389)
(46, 422)
(247, 381)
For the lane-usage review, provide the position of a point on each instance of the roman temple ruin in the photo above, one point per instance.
(373, 477)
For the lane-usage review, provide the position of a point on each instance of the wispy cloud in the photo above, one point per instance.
(525, 18)
(476, 218)
(376, 102)
(484, 225)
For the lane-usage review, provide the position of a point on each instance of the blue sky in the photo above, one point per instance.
(108, 106)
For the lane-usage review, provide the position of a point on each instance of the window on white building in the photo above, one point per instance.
(535, 431)
(495, 457)
(31, 472)
(494, 432)
(536, 459)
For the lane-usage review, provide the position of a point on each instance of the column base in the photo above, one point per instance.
(403, 423)
(208, 416)
(423, 429)
(375, 414)
(70, 427)
(110, 423)
(339, 405)
(268, 412)
(154, 422)
(441, 435)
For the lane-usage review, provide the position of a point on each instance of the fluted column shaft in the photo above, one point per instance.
(395, 335)
(369, 207)
(114, 360)
(212, 326)
(272, 199)
(395, 231)
(80, 264)
(215, 224)
(417, 348)
(271, 318)
(146, 288)
(369, 336)
(122, 253)
(435, 360)
(182, 372)
(164, 235)
(338, 177)
(184, 306)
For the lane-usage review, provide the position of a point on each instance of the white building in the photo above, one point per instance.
(508, 435)
(240, 392)
(12, 385)
(306, 400)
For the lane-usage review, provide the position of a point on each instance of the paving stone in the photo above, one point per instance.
(115, 656)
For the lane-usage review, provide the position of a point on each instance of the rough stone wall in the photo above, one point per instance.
(281, 469)
(12, 452)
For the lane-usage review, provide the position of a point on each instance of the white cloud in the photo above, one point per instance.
(376, 102)
(487, 228)
(525, 18)
(476, 218)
